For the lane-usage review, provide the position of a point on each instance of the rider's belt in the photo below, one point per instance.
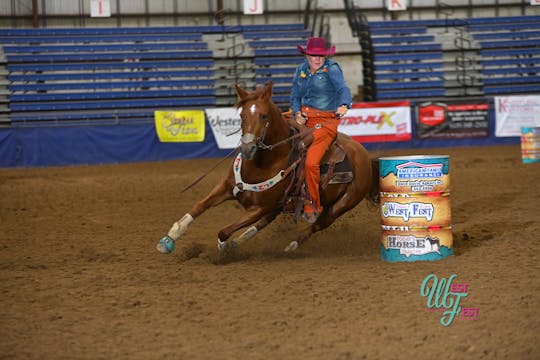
(316, 116)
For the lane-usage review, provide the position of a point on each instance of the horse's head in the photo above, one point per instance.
(256, 109)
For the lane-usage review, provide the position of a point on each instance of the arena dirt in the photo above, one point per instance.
(80, 277)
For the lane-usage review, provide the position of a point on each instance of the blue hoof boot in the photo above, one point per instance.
(165, 245)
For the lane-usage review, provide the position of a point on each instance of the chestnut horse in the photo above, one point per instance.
(259, 176)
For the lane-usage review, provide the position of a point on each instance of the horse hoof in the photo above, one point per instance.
(165, 245)
(292, 246)
(221, 245)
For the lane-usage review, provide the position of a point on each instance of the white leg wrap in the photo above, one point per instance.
(249, 233)
(292, 246)
(221, 245)
(180, 227)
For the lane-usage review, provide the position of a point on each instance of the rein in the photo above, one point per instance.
(281, 142)
(301, 133)
(209, 170)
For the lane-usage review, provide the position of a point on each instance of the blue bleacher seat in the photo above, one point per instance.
(114, 104)
(506, 35)
(93, 76)
(269, 61)
(407, 48)
(408, 56)
(511, 52)
(8, 39)
(511, 89)
(431, 65)
(106, 56)
(510, 43)
(277, 52)
(410, 94)
(92, 86)
(117, 31)
(104, 48)
(497, 27)
(511, 70)
(408, 75)
(276, 34)
(415, 84)
(398, 31)
(402, 39)
(512, 80)
(274, 43)
(182, 63)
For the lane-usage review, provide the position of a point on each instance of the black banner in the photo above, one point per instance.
(458, 120)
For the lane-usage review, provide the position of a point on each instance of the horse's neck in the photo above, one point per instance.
(276, 137)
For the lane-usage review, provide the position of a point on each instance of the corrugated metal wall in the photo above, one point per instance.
(18, 13)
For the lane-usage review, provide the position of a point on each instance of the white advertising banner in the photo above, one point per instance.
(253, 7)
(514, 112)
(100, 8)
(225, 124)
(378, 122)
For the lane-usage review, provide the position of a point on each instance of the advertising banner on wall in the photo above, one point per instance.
(180, 126)
(452, 121)
(378, 122)
(514, 112)
(225, 124)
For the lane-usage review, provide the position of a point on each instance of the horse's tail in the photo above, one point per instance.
(373, 195)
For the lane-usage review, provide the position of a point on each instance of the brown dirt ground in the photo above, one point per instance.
(80, 277)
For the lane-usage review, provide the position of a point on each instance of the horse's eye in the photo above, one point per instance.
(264, 117)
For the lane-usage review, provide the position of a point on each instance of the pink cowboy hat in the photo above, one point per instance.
(316, 46)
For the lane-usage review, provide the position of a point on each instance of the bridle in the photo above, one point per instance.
(259, 141)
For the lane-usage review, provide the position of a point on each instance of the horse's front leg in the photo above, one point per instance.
(219, 194)
(250, 216)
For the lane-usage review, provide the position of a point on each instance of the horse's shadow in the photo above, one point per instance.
(202, 253)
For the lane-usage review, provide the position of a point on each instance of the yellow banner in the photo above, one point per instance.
(180, 126)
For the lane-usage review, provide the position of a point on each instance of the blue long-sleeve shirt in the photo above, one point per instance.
(324, 90)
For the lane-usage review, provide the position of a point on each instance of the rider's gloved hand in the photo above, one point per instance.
(300, 118)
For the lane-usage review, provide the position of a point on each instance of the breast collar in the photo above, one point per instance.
(240, 185)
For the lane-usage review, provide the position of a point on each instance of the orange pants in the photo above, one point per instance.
(325, 124)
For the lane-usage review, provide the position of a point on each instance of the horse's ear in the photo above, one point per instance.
(268, 91)
(242, 94)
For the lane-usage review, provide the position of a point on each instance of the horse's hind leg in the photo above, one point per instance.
(328, 216)
(249, 217)
(254, 229)
(219, 193)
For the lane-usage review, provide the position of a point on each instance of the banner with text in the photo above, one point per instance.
(514, 112)
(225, 124)
(378, 122)
(180, 126)
(452, 121)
